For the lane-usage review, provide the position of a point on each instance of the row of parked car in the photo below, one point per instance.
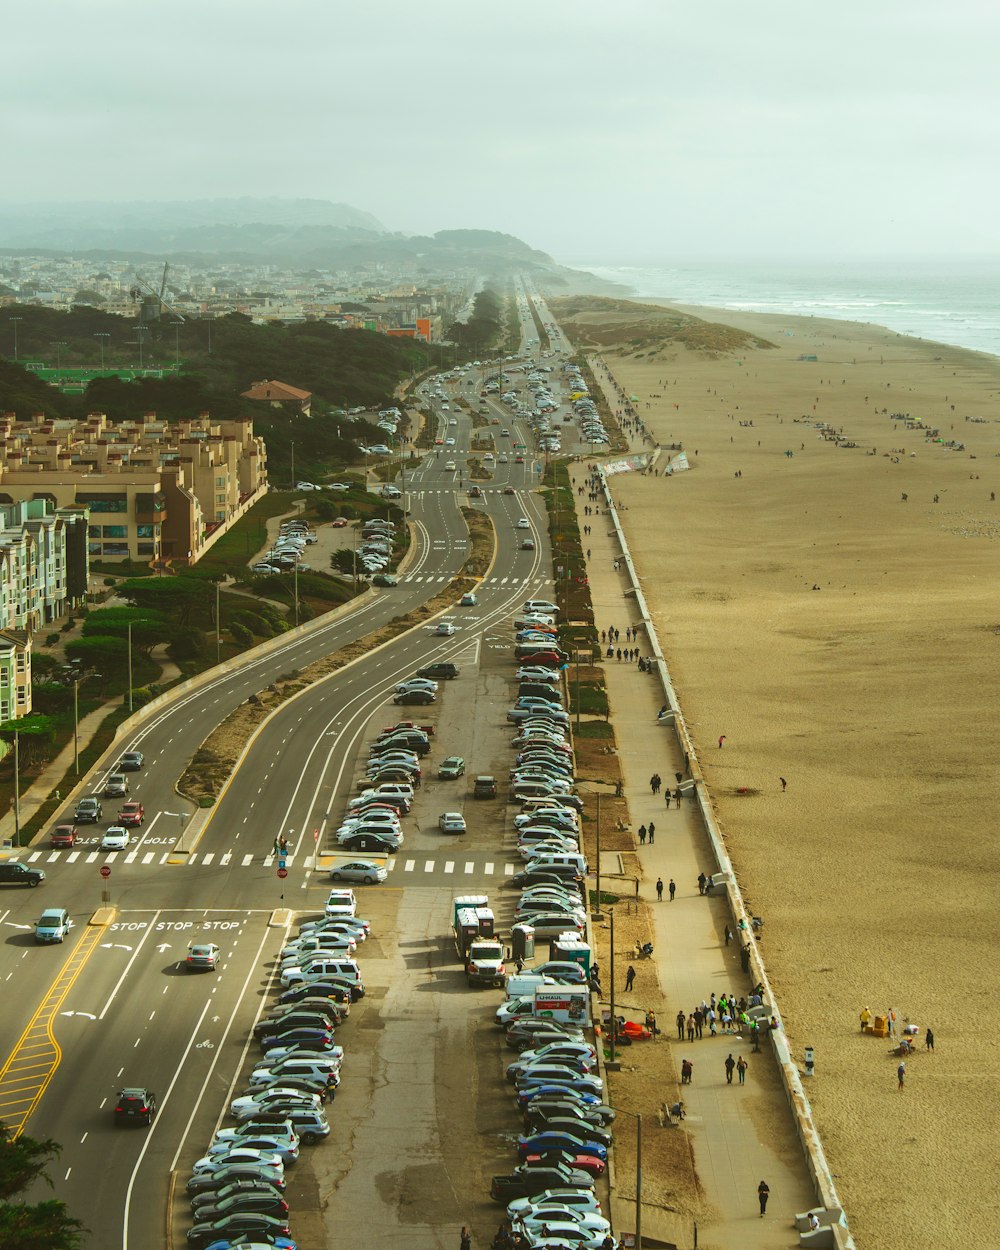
(542, 777)
(565, 1136)
(289, 546)
(588, 419)
(237, 1191)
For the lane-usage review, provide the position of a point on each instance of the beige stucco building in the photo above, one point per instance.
(155, 491)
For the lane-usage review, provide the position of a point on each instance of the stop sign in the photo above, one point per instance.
(105, 870)
(282, 873)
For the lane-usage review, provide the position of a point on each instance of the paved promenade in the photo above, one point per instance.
(740, 1135)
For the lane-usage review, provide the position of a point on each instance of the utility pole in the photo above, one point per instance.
(130, 667)
(614, 1030)
(14, 322)
(597, 901)
(76, 726)
(102, 338)
(218, 637)
(295, 580)
(293, 463)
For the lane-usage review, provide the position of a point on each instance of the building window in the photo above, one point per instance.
(220, 481)
(116, 531)
(103, 503)
(146, 549)
(115, 549)
(145, 531)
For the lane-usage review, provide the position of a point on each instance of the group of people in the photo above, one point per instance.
(727, 1014)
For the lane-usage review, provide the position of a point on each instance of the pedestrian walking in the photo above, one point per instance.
(650, 832)
(652, 783)
(672, 887)
(680, 1026)
(701, 882)
(901, 1073)
(784, 784)
(722, 738)
(699, 1021)
(679, 777)
(763, 1193)
(729, 935)
(730, 1066)
(866, 1018)
(642, 835)
(629, 979)
(659, 889)
(677, 796)
(890, 1020)
(929, 1040)
(687, 1071)
(741, 1069)
(755, 1036)
(690, 1028)
(330, 1088)
(466, 1241)
(277, 846)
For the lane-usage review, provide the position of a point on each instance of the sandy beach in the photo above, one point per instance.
(847, 639)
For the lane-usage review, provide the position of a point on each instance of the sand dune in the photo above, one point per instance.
(875, 696)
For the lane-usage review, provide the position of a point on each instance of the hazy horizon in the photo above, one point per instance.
(649, 129)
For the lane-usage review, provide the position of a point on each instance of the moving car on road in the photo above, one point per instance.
(135, 1105)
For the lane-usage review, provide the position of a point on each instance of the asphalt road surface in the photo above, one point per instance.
(422, 1117)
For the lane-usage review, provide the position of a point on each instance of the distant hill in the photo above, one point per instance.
(308, 234)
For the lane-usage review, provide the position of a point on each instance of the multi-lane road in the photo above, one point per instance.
(114, 1004)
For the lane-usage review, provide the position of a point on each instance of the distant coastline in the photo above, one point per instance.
(958, 304)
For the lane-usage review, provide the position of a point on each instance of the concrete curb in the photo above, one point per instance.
(801, 1109)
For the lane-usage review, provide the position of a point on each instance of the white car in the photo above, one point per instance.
(582, 1199)
(241, 1154)
(341, 903)
(524, 523)
(115, 839)
(451, 822)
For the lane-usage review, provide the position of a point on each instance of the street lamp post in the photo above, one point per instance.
(14, 322)
(17, 788)
(102, 338)
(59, 346)
(130, 667)
(218, 637)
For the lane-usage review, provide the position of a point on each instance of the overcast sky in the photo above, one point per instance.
(631, 130)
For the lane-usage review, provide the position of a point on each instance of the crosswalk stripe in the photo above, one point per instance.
(226, 857)
(207, 859)
(33, 856)
(391, 865)
(247, 861)
(469, 865)
(429, 866)
(449, 865)
(488, 869)
(52, 856)
(409, 865)
(72, 857)
(509, 869)
(130, 857)
(148, 857)
(164, 857)
(91, 857)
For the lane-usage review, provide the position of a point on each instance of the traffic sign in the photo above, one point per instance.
(282, 873)
(105, 870)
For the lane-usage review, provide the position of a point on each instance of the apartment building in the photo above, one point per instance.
(44, 566)
(154, 490)
(15, 674)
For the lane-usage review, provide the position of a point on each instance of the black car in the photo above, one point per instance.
(240, 1185)
(135, 1105)
(580, 1131)
(444, 669)
(415, 696)
(259, 1202)
(524, 1183)
(544, 1108)
(131, 761)
(254, 1173)
(233, 1225)
(385, 579)
(292, 1019)
(13, 873)
(336, 992)
(302, 1037)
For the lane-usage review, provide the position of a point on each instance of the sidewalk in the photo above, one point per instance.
(739, 1135)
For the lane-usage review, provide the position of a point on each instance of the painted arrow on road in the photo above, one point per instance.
(110, 946)
(85, 1014)
(164, 946)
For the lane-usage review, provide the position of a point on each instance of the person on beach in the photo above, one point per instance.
(701, 882)
(784, 784)
(928, 1040)
(690, 1028)
(722, 738)
(741, 1068)
(728, 935)
(659, 889)
(629, 979)
(763, 1193)
(466, 1239)
(699, 1021)
(866, 1018)
(901, 1073)
(672, 888)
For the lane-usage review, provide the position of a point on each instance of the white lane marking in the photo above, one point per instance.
(130, 857)
(247, 861)
(409, 865)
(207, 859)
(91, 857)
(72, 857)
(33, 856)
(226, 857)
(469, 865)
(429, 866)
(128, 966)
(148, 857)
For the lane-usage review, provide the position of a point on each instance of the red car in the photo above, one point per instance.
(582, 1163)
(131, 814)
(63, 835)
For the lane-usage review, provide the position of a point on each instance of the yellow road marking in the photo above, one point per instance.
(32, 1063)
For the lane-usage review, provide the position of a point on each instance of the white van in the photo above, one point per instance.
(571, 858)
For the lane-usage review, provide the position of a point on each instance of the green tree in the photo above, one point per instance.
(25, 1226)
(100, 651)
(148, 628)
(176, 598)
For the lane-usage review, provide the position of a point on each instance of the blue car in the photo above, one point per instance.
(542, 1143)
(553, 1090)
(304, 1038)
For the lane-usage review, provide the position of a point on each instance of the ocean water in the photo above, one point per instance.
(947, 303)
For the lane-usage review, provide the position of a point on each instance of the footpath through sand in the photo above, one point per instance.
(739, 1134)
